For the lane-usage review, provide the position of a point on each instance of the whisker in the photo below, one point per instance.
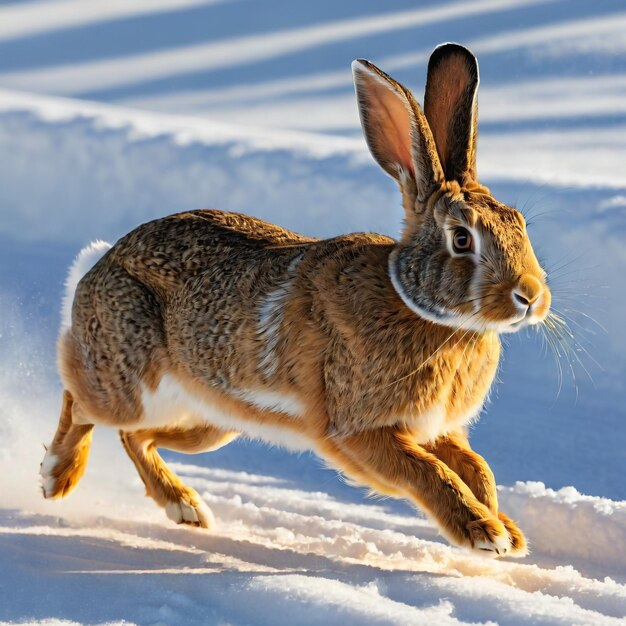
(563, 332)
(556, 355)
(565, 262)
(566, 354)
(589, 317)
(577, 345)
(555, 275)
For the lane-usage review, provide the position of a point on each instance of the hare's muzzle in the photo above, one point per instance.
(531, 298)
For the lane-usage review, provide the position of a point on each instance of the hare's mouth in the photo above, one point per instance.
(513, 327)
(531, 317)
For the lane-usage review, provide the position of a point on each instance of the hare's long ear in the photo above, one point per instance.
(451, 108)
(397, 132)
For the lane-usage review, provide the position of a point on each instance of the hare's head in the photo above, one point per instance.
(464, 259)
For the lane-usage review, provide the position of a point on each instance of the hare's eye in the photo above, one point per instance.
(462, 240)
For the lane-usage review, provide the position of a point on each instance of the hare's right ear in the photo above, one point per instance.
(396, 131)
(450, 106)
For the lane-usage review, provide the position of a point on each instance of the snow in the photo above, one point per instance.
(282, 553)
(173, 105)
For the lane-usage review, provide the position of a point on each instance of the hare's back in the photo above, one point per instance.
(167, 252)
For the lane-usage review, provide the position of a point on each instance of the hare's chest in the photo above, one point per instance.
(440, 417)
(437, 419)
(429, 424)
(456, 400)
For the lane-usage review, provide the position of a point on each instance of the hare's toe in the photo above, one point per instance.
(191, 511)
(489, 537)
(519, 546)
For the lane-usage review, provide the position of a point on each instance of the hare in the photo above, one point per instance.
(377, 354)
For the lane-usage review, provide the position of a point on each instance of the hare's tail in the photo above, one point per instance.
(66, 458)
(85, 260)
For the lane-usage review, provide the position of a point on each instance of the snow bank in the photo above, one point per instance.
(569, 525)
(124, 167)
(281, 554)
(72, 172)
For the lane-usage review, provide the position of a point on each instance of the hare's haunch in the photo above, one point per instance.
(374, 353)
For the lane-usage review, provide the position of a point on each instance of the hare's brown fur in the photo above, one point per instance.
(375, 353)
(189, 309)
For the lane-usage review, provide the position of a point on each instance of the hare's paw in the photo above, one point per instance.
(47, 472)
(190, 510)
(489, 537)
(58, 476)
(519, 546)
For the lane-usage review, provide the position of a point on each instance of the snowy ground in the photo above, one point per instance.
(182, 104)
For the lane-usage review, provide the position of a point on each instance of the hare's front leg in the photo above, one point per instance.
(390, 461)
(182, 504)
(454, 450)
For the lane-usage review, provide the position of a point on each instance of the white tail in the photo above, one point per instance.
(85, 260)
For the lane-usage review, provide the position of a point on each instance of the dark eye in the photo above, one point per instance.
(462, 240)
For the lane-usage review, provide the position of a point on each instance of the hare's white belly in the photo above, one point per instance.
(171, 405)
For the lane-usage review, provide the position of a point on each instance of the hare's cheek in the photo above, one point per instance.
(458, 286)
(496, 304)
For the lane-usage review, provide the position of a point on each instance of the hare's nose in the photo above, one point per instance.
(527, 290)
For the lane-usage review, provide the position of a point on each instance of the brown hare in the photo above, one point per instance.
(377, 354)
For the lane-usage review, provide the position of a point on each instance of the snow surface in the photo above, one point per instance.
(258, 115)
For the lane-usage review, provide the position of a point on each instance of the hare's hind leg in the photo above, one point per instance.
(66, 458)
(182, 504)
(455, 451)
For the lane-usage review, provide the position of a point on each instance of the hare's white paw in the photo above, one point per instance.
(498, 546)
(519, 546)
(46, 471)
(194, 514)
(489, 537)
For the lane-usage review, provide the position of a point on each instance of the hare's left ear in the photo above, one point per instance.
(397, 133)
(450, 106)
